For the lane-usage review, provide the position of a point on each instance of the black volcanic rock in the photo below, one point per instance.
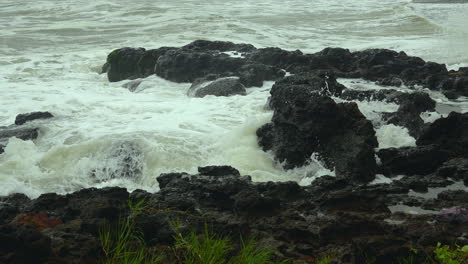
(409, 112)
(307, 121)
(456, 169)
(253, 66)
(24, 133)
(412, 160)
(186, 65)
(23, 244)
(221, 46)
(122, 64)
(23, 118)
(450, 133)
(211, 85)
(298, 223)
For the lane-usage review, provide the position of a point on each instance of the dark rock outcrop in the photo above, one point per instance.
(456, 169)
(411, 160)
(307, 121)
(450, 133)
(211, 85)
(24, 133)
(23, 118)
(186, 65)
(122, 64)
(409, 112)
(253, 66)
(300, 223)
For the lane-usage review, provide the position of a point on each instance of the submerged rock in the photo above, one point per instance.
(23, 118)
(24, 133)
(307, 121)
(211, 85)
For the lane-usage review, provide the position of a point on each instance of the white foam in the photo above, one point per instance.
(390, 136)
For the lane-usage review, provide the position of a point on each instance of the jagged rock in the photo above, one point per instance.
(23, 118)
(147, 62)
(186, 65)
(421, 183)
(299, 223)
(2, 149)
(321, 82)
(450, 133)
(23, 244)
(253, 66)
(409, 112)
(73, 247)
(218, 171)
(211, 85)
(411, 160)
(306, 121)
(456, 169)
(447, 199)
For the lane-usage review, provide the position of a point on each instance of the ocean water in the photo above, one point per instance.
(51, 52)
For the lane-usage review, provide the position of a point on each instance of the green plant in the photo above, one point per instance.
(123, 243)
(251, 253)
(325, 260)
(451, 255)
(211, 248)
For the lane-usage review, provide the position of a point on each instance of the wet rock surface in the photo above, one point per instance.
(253, 66)
(23, 118)
(212, 85)
(411, 105)
(331, 215)
(307, 121)
(21, 129)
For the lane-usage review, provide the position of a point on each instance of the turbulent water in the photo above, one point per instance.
(51, 52)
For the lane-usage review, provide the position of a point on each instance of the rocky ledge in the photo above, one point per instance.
(330, 217)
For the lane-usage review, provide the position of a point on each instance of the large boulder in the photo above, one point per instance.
(211, 85)
(306, 121)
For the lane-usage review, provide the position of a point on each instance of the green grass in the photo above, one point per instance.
(122, 243)
(211, 248)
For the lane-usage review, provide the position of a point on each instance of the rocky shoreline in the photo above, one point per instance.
(348, 215)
